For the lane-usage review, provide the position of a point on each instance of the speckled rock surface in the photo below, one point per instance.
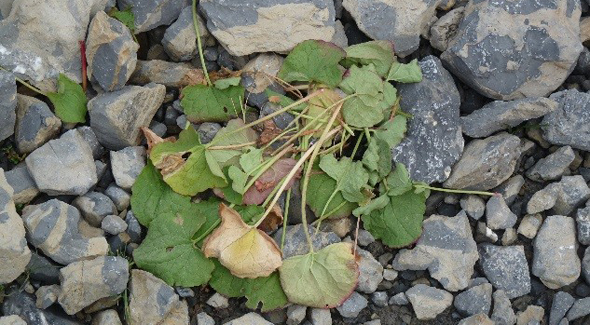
(7, 104)
(506, 268)
(153, 13)
(569, 124)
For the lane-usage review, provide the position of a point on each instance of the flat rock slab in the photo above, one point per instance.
(427, 301)
(506, 268)
(514, 49)
(569, 123)
(7, 104)
(169, 74)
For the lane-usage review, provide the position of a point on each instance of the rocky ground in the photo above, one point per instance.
(503, 107)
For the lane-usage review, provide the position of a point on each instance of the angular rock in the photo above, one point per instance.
(501, 115)
(261, 69)
(89, 136)
(12, 320)
(506, 268)
(35, 124)
(43, 270)
(583, 225)
(169, 74)
(509, 237)
(7, 104)
(562, 302)
(498, 214)
(510, 188)
(475, 300)
(116, 117)
(14, 252)
(218, 301)
(180, 39)
(427, 301)
(151, 14)
(562, 197)
(556, 241)
(244, 27)
(296, 314)
(580, 309)
(133, 227)
(119, 196)
(47, 296)
(113, 225)
(479, 319)
(320, 316)
(532, 315)
(503, 313)
(379, 298)
(204, 319)
(352, 306)
(530, 224)
(94, 206)
(586, 265)
(295, 242)
(20, 303)
(127, 164)
(106, 317)
(399, 299)
(473, 205)
(398, 21)
(444, 29)
(63, 166)
(371, 272)
(111, 52)
(84, 282)
(433, 142)
(553, 166)
(485, 163)
(154, 302)
(56, 228)
(569, 124)
(249, 319)
(510, 50)
(446, 248)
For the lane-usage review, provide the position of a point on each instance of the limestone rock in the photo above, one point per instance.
(506, 268)
(127, 164)
(169, 74)
(445, 28)
(94, 207)
(7, 103)
(23, 185)
(553, 166)
(153, 13)
(475, 300)
(35, 124)
(562, 197)
(569, 124)
(180, 39)
(427, 301)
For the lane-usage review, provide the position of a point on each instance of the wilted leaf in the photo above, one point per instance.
(350, 176)
(69, 101)
(246, 251)
(378, 53)
(202, 103)
(323, 279)
(273, 220)
(320, 190)
(313, 61)
(318, 105)
(226, 83)
(264, 185)
(269, 133)
(405, 72)
(392, 131)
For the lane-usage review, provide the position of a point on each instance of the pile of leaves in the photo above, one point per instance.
(209, 207)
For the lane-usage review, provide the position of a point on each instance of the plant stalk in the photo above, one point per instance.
(199, 44)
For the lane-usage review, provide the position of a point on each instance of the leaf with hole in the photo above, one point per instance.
(313, 61)
(202, 103)
(69, 101)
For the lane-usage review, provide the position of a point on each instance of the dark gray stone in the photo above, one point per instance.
(562, 301)
(553, 166)
(127, 164)
(7, 104)
(561, 197)
(473, 205)
(23, 185)
(119, 196)
(509, 50)
(352, 306)
(583, 225)
(510, 188)
(35, 124)
(580, 309)
(501, 115)
(133, 227)
(296, 244)
(399, 299)
(207, 131)
(180, 39)
(428, 301)
(379, 298)
(433, 142)
(113, 225)
(569, 124)
(498, 214)
(94, 206)
(506, 268)
(282, 121)
(586, 265)
(89, 136)
(153, 13)
(20, 303)
(43, 270)
(503, 313)
(476, 300)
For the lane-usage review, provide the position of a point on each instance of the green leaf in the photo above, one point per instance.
(125, 16)
(405, 72)
(230, 136)
(283, 100)
(265, 290)
(226, 83)
(69, 101)
(210, 104)
(168, 250)
(210, 210)
(251, 160)
(323, 279)
(392, 131)
(399, 181)
(250, 213)
(399, 223)
(364, 109)
(375, 204)
(378, 157)
(239, 179)
(319, 191)
(378, 53)
(350, 176)
(186, 175)
(313, 61)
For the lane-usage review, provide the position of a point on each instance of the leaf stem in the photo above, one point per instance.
(26, 84)
(199, 44)
(448, 190)
(233, 146)
(285, 217)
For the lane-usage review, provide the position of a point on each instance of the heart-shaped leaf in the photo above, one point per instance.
(313, 61)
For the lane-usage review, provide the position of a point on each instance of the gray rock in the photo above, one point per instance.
(446, 248)
(476, 300)
(371, 272)
(57, 229)
(245, 27)
(63, 166)
(94, 206)
(556, 241)
(180, 39)
(473, 205)
(569, 124)
(151, 14)
(320, 316)
(529, 225)
(485, 163)
(399, 22)
(154, 302)
(352, 306)
(506, 268)
(260, 70)
(42, 269)
(204, 319)
(503, 313)
(295, 314)
(399, 299)
(249, 319)
(580, 309)
(111, 52)
(553, 166)
(444, 29)
(510, 188)
(169, 74)
(562, 301)
(113, 225)
(389, 274)
(20, 303)
(282, 121)
(583, 225)
(218, 301)
(586, 265)
(133, 227)
(14, 252)
(501, 115)
(35, 124)
(500, 50)
(12, 320)
(84, 282)
(479, 319)
(7, 104)
(207, 131)
(365, 238)
(119, 196)
(296, 244)
(47, 296)
(379, 298)
(433, 142)
(531, 316)
(498, 214)
(89, 136)
(427, 301)
(106, 317)
(116, 117)
(127, 164)
(509, 237)
(562, 197)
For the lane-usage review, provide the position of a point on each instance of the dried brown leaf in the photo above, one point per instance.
(264, 185)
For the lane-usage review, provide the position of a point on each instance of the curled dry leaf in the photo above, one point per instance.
(246, 251)
(270, 132)
(273, 220)
(264, 185)
(154, 139)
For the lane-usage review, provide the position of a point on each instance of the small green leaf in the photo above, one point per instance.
(210, 104)
(375, 204)
(392, 131)
(364, 109)
(239, 179)
(378, 157)
(251, 160)
(226, 83)
(69, 101)
(405, 72)
(230, 136)
(319, 190)
(323, 279)
(378, 53)
(399, 181)
(125, 16)
(350, 176)
(313, 61)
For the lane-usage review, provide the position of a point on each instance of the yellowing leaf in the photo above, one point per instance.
(323, 279)
(246, 251)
